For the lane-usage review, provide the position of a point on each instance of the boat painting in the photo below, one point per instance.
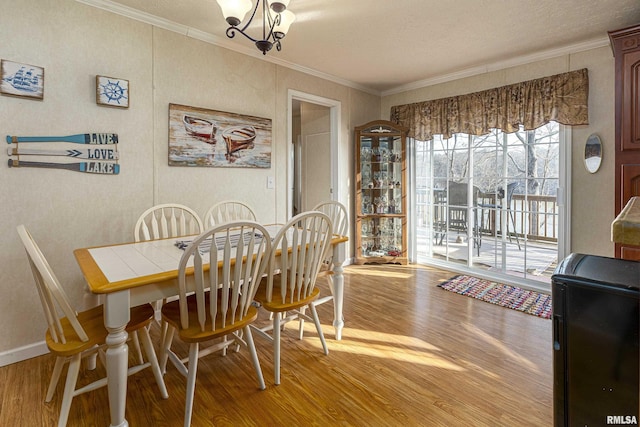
(239, 138)
(210, 138)
(200, 128)
(21, 79)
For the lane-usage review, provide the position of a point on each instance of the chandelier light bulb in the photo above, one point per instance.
(234, 11)
(279, 6)
(286, 19)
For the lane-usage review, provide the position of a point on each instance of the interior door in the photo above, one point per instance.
(626, 47)
(312, 157)
(316, 179)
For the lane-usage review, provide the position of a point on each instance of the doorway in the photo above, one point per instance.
(494, 204)
(313, 136)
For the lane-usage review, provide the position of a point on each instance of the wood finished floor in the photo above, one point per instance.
(412, 354)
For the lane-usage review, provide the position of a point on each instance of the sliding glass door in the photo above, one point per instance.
(490, 203)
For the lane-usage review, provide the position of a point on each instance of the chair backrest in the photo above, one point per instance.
(52, 296)
(241, 251)
(165, 221)
(458, 194)
(337, 212)
(230, 210)
(306, 239)
(511, 188)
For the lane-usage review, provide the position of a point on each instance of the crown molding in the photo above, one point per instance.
(206, 37)
(501, 65)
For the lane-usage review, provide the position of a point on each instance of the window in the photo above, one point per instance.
(491, 203)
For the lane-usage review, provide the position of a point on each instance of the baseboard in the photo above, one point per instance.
(23, 353)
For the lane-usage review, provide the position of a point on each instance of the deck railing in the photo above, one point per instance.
(539, 214)
(534, 216)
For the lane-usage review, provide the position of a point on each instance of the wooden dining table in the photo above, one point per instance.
(131, 274)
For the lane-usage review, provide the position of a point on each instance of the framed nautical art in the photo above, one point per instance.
(112, 92)
(20, 79)
(202, 137)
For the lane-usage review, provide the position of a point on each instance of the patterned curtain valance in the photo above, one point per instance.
(562, 98)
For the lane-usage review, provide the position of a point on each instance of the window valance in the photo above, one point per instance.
(562, 98)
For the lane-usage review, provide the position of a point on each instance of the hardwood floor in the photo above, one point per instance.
(412, 354)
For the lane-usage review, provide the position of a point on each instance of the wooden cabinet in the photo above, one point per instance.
(381, 220)
(626, 50)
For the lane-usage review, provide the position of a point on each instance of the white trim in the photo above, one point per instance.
(246, 49)
(23, 353)
(501, 65)
(564, 193)
(335, 112)
(166, 24)
(410, 158)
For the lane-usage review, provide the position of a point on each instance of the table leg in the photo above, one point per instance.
(339, 254)
(90, 300)
(116, 317)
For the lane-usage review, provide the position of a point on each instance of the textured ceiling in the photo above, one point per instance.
(385, 46)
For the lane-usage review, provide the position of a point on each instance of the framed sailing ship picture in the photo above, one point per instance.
(21, 79)
(202, 137)
(112, 92)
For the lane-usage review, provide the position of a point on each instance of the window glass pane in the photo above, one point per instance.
(489, 201)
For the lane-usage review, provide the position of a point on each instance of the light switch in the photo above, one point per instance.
(269, 182)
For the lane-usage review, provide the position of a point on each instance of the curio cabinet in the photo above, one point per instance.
(381, 220)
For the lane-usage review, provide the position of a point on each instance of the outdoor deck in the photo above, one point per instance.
(534, 260)
(530, 227)
(540, 256)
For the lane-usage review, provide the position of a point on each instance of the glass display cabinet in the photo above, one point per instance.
(381, 221)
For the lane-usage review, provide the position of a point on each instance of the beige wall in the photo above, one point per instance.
(592, 195)
(65, 210)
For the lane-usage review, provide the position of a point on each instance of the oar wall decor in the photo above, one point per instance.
(104, 168)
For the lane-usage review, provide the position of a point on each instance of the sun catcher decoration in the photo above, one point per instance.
(112, 92)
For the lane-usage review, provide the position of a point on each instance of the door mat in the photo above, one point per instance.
(529, 302)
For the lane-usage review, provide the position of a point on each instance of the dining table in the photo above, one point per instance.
(129, 274)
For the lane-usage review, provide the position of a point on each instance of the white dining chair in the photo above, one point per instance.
(337, 212)
(72, 336)
(167, 220)
(164, 221)
(290, 281)
(229, 210)
(216, 303)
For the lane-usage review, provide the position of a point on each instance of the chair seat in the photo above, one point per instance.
(276, 305)
(92, 321)
(171, 314)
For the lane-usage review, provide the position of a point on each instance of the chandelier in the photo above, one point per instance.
(276, 20)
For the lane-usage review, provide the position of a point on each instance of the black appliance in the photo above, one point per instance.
(595, 341)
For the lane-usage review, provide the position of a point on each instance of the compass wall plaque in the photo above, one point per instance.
(112, 92)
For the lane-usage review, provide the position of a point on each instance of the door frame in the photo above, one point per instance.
(335, 118)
